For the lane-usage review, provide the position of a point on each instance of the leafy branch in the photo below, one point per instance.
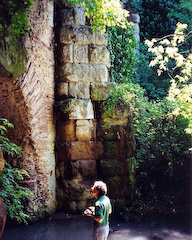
(13, 194)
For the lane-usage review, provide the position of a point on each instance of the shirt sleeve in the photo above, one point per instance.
(99, 211)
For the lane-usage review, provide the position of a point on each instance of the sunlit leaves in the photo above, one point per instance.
(103, 13)
(180, 91)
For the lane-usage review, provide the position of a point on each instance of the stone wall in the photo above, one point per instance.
(27, 102)
(90, 144)
(83, 62)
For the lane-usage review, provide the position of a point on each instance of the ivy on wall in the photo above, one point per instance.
(122, 44)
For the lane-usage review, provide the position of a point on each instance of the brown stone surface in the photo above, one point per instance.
(119, 115)
(79, 151)
(100, 91)
(115, 149)
(99, 55)
(67, 53)
(112, 132)
(85, 150)
(80, 54)
(77, 189)
(77, 109)
(66, 130)
(3, 216)
(79, 90)
(86, 130)
(83, 73)
(76, 34)
(73, 16)
(63, 89)
(27, 102)
(84, 169)
(81, 35)
(1, 160)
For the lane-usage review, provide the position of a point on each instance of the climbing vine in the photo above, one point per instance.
(122, 45)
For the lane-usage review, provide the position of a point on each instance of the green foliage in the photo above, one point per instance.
(182, 12)
(155, 21)
(155, 87)
(13, 16)
(13, 194)
(171, 48)
(102, 13)
(162, 146)
(6, 145)
(127, 92)
(122, 44)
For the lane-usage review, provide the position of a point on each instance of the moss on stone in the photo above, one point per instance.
(13, 56)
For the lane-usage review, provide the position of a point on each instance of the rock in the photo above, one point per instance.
(77, 109)
(3, 216)
(1, 161)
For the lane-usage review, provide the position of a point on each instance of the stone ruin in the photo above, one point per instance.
(57, 107)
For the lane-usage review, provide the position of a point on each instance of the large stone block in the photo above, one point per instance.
(69, 151)
(101, 74)
(119, 115)
(115, 150)
(79, 16)
(66, 130)
(73, 16)
(84, 169)
(80, 53)
(77, 109)
(62, 89)
(112, 133)
(99, 55)
(85, 150)
(83, 73)
(101, 39)
(111, 168)
(82, 35)
(76, 34)
(67, 53)
(118, 187)
(86, 130)
(79, 90)
(77, 189)
(100, 91)
(3, 216)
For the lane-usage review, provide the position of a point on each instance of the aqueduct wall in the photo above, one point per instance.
(65, 150)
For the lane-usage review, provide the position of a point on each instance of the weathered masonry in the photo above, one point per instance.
(56, 105)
